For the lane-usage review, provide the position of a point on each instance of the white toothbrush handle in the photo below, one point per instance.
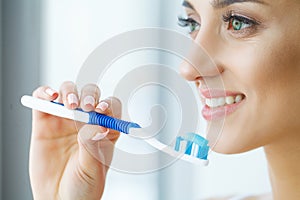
(94, 118)
(54, 109)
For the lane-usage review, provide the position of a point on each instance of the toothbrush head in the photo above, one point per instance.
(193, 145)
(189, 147)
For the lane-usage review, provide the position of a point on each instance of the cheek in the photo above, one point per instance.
(268, 73)
(283, 84)
(267, 70)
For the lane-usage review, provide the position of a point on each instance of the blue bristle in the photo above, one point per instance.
(202, 153)
(177, 144)
(192, 138)
(188, 149)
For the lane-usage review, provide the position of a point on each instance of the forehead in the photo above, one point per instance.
(220, 3)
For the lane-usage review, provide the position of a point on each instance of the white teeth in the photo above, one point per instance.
(221, 101)
(229, 100)
(238, 98)
(209, 102)
(216, 102)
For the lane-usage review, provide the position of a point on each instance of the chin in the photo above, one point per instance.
(233, 142)
(234, 146)
(233, 135)
(224, 149)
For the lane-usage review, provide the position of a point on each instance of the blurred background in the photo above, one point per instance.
(46, 42)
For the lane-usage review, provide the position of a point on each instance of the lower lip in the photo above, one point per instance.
(211, 114)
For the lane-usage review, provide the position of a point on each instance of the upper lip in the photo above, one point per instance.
(216, 93)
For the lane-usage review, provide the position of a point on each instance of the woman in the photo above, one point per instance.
(255, 45)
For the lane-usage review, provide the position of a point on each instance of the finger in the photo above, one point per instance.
(111, 106)
(94, 148)
(69, 95)
(89, 97)
(45, 93)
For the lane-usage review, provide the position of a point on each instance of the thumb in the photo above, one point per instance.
(93, 151)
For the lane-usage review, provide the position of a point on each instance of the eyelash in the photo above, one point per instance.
(248, 25)
(189, 22)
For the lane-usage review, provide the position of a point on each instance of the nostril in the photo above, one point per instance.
(189, 72)
(198, 78)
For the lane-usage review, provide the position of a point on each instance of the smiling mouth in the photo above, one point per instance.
(219, 104)
(223, 101)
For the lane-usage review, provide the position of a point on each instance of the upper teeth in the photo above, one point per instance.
(216, 102)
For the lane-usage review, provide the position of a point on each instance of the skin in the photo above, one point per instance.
(63, 152)
(263, 63)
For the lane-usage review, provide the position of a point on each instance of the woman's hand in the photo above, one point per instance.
(68, 159)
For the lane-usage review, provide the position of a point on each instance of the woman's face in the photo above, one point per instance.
(255, 46)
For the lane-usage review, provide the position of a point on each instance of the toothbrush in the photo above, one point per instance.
(94, 118)
(190, 147)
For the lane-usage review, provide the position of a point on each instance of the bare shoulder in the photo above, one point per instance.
(259, 197)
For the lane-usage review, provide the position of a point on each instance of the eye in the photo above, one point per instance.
(190, 23)
(239, 24)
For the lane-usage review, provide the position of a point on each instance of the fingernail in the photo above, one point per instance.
(50, 92)
(89, 100)
(103, 106)
(72, 99)
(100, 136)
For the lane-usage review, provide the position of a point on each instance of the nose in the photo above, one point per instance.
(189, 72)
(194, 71)
(201, 62)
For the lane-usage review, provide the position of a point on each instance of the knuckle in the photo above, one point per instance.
(35, 93)
(91, 88)
(115, 105)
(115, 100)
(91, 85)
(67, 85)
(66, 88)
(38, 90)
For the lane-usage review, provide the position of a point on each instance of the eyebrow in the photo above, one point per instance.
(187, 5)
(225, 3)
